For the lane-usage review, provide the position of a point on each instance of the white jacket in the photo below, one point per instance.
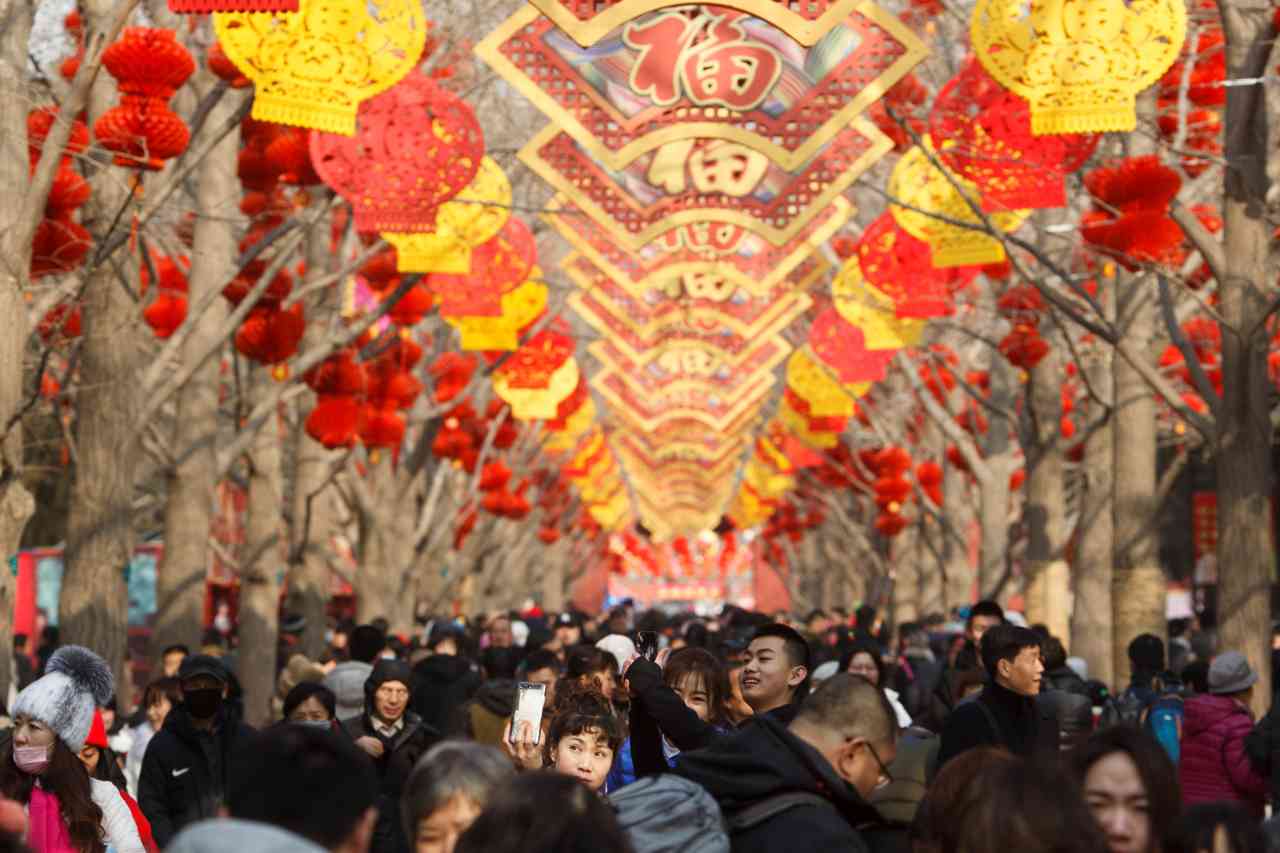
(119, 831)
(904, 719)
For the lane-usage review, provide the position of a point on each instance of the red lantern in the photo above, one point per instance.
(498, 265)
(452, 372)
(890, 524)
(335, 421)
(338, 375)
(271, 335)
(148, 62)
(166, 314)
(411, 307)
(382, 427)
(841, 346)
(59, 246)
(143, 133)
(1023, 347)
(901, 267)
(418, 145)
(221, 66)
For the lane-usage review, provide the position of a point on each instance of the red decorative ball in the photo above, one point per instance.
(143, 132)
(149, 62)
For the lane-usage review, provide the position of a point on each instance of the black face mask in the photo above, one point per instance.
(203, 703)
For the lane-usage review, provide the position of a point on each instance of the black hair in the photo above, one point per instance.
(1055, 654)
(588, 660)
(817, 613)
(19, 641)
(1196, 676)
(366, 643)
(310, 690)
(175, 647)
(65, 778)
(307, 781)
(541, 659)
(500, 662)
(581, 709)
(545, 812)
(865, 648)
(108, 768)
(1198, 829)
(1006, 642)
(794, 645)
(169, 687)
(701, 664)
(986, 608)
(1158, 774)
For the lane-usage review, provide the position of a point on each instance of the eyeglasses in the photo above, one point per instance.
(885, 778)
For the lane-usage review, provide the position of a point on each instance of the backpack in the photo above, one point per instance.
(671, 814)
(1163, 721)
(1123, 710)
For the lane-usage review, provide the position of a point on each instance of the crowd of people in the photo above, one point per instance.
(745, 733)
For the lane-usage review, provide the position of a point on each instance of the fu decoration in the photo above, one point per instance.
(313, 67)
(472, 218)
(417, 146)
(1079, 67)
(984, 134)
(149, 66)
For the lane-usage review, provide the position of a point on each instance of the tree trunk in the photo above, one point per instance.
(993, 491)
(1246, 551)
(259, 562)
(905, 557)
(1048, 593)
(553, 598)
(94, 603)
(1139, 587)
(957, 508)
(16, 503)
(386, 551)
(309, 529)
(192, 481)
(1091, 617)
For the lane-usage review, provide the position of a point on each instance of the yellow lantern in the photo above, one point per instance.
(873, 312)
(520, 307)
(1079, 63)
(470, 218)
(313, 67)
(539, 403)
(925, 190)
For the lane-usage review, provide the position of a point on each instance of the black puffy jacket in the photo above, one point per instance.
(764, 759)
(184, 772)
(1065, 697)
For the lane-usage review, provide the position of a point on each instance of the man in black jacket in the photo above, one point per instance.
(983, 616)
(184, 773)
(775, 672)
(1005, 713)
(395, 738)
(834, 754)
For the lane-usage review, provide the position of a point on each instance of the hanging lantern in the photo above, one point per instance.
(538, 403)
(382, 427)
(148, 62)
(497, 267)
(871, 309)
(335, 421)
(469, 220)
(59, 246)
(985, 133)
(811, 381)
(271, 335)
(901, 267)
(199, 7)
(841, 347)
(149, 66)
(916, 182)
(313, 67)
(520, 309)
(1080, 68)
(417, 146)
(411, 307)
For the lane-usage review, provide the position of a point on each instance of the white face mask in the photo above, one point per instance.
(388, 655)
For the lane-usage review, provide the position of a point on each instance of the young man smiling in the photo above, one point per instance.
(1005, 713)
(775, 673)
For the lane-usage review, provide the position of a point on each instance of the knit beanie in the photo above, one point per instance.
(75, 683)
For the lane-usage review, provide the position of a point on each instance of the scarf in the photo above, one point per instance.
(47, 831)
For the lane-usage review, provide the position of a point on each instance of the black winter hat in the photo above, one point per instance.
(387, 670)
(1146, 652)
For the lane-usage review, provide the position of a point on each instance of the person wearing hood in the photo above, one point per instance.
(1214, 765)
(52, 718)
(184, 771)
(347, 679)
(837, 750)
(395, 738)
(442, 683)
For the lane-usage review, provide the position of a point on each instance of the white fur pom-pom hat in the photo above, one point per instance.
(75, 683)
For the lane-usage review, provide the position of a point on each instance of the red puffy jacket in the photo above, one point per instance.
(1213, 766)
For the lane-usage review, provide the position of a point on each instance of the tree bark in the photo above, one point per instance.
(386, 552)
(957, 507)
(16, 503)
(308, 594)
(1139, 581)
(1048, 593)
(262, 556)
(1246, 552)
(1092, 628)
(94, 603)
(192, 481)
(905, 556)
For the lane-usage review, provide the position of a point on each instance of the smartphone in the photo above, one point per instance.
(647, 645)
(529, 701)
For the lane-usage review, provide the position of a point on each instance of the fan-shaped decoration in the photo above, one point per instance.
(497, 267)
(985, 136)
(313, 67)
(1079, 64)
(471, 219)
(520, 308)
(925, 190)
(417, 146)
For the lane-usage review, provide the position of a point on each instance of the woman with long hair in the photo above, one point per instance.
(1131, 787)
(100, 760)
(67, 811)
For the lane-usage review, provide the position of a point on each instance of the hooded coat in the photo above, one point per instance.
(764, 759)
(441, 685)
(1214, 766)
(184, 771)
(399, 754)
